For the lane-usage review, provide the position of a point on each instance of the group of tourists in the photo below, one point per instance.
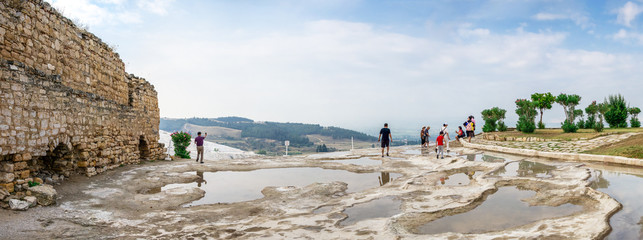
(386, 138)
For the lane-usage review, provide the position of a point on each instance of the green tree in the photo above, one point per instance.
(526, 111)
(616, 115)
(491, 116)
(543, 101)
(601, 108)
(592, 111)
(569, 103)
(634, 121)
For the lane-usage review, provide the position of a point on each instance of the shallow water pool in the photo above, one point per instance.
(237, 186)
(525, 169)
(501, 210)
(378, 208)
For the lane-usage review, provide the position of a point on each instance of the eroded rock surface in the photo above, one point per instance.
(136, 203)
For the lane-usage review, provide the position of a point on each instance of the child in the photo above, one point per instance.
(440, 144)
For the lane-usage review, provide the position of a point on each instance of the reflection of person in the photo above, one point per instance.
(443, 180)
(470, 174)
(199, 146)
(440, 144)
(201, 179)
(386, 137)
(386, 178)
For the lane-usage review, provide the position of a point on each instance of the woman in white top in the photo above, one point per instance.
(446, 135)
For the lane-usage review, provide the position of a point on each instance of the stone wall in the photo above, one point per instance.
(66, 103)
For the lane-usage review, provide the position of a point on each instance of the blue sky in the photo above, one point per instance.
(358, 64)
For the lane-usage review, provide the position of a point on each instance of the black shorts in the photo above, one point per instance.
(423, 141)
(385, 143)
(461, 136)
(470, 134)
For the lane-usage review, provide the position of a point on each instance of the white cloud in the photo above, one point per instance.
(628, 13)
(101, 12)
(159, 7)
(346, 73)
(628, 36)
(579, 19)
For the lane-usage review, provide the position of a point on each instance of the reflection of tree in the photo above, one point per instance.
(531, 169)
(488, 158)
(471, 157)
(598, 181)
(385, 178)
(641, 223)
(500, 171)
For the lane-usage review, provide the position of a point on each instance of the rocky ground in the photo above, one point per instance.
(123, 204)
(575, 146)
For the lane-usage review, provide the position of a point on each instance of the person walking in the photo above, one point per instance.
(427, 136)
(422, 135)
(440, 144)
(446, 135)
(386, 137)
(199, 146)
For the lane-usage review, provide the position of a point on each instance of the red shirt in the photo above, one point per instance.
(440, 140)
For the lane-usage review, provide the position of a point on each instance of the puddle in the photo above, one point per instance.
(525, 169)
(324, 209)
(503, 209)
(238, 186)
(622, 183)
(459, 179)
(365, 161)
(481, 157)
(379, 208)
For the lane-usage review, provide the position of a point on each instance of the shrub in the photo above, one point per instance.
(598, 126)
(591, 121)
(181, 141)
(634, 121)
(580, 124)
(490, 117)
(501, 126)
(569, 127)
(616, 114)
(526, 125)
(541, 125)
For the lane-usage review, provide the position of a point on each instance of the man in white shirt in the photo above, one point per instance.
(446, 135)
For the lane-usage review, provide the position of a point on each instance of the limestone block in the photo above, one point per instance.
(26, 156)
(46, 194)
(17, 158)
(7, 186)
(20, 165)
(33, 201)
(7, 167)
(38, 180)
(83, 164)
(6, 177)
(19, 205)
(3, 194)
(24, 174)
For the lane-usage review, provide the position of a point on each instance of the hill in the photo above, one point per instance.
(247, 134)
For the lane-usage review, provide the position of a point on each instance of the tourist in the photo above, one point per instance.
(459, 133)
(440, 144)
(386, 137)
(199, 146)
(446, 135)
(426, 136)
(422, 136)
(471, 126)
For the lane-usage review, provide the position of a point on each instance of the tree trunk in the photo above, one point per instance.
(541, 116)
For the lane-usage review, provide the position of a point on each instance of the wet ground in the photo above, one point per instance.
(343, 195)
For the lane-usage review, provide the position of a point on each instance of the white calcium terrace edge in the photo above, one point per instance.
(557, 155)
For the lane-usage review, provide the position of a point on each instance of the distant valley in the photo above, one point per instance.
(268, 137)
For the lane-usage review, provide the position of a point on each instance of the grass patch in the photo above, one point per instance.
(558, 134)
(631, 147)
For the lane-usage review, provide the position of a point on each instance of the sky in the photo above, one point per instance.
(357, 64)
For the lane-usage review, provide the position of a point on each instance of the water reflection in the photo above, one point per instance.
(458, 179)
(525, 169)
(503, 209)
(481, 157)
(623, 184)
(379, 208)
(365, 161)
(232, 186)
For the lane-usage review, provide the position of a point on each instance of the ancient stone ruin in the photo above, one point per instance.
(66, 103)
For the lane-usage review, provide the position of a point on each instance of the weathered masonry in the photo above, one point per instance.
(66, 103)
